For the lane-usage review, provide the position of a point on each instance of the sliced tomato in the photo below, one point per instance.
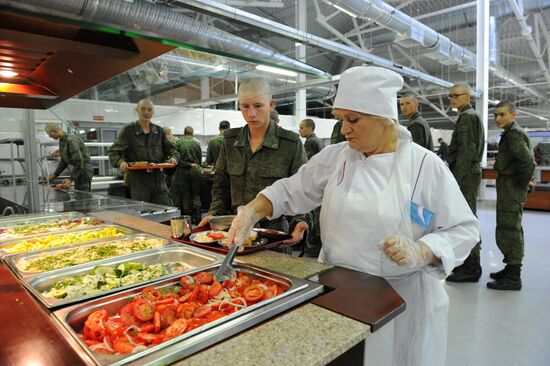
(204, 277)
(127, 315)
(227, 308)
(185, 311)
(123, 345)
(215, 315)
(151, 294)
(147, 328)
(187, 282)
(114, 327)
(91, 342)
(271, 292)
(203, 295)
(230, 283)
(143, 309)
(177, 328)
(168, 315)
(202, 311)
(190, 297)
(253, 294)
(194, 323)
(243, 282)
(96, 319)
(216, 235)
(156, 321)
(215, 289)
(148, 338)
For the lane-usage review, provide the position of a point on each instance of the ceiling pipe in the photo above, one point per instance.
(157, 20)
(526, 32)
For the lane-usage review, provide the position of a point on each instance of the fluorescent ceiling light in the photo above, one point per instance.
(8, 73)
(215, 67)
(345, 11)
(276, 70)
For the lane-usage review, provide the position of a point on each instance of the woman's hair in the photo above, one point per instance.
(378, 118)
(50, 127)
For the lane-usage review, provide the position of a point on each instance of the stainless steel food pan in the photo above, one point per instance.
(71, 320)
(172, 253)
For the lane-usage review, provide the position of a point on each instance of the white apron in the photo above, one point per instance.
(354, 221)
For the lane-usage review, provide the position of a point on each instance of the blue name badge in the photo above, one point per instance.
(421, 215)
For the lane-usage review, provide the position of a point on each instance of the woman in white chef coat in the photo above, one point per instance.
(389, 207)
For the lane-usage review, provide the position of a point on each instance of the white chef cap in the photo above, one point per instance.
(370, 90)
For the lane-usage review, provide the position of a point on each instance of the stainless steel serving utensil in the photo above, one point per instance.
(226, 271)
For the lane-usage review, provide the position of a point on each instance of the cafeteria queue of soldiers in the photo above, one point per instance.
(250, 158)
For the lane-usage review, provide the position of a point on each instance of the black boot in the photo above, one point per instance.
(499, 274)
(470, 271)
(510, 281)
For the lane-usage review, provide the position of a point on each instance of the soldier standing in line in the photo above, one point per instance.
(515, 163)
(418, 127)
(185, 189)
(215, 145)
(169, 173)
(312, 145)
(443, 149)
(464, 158)
(145, 142)
(254, 157)
(72, 152)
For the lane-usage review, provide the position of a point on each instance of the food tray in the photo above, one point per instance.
(152, 166)
(173, 253)
(7, 244)
(31, 218)
(35, 220)
(13, 260)
(219, 248)
(71, 320)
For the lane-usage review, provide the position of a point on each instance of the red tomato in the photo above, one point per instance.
(204, 277)
(96, 319)
(168, 315)
(177, 328)
(243, 282)
(165, 301)
(216, 235)
(147, 328)
(215, 289)
(187, 282)
(123, 345)
(151, 294)
(253, 294)
(91, 342)
(227, 308)
(143, 309)
(215, 315)
(202, 311)
(149, 338)
(114, 327)
(191, 296)
(127, 315)
(271, 292)
(230, 283)
(185, 311)
(95, 335)
(195, 323)
(203, 295)
(156, 321)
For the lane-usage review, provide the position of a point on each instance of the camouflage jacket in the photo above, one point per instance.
(515, 155)
(420, 131)
(313, 145)
(241, 174)
(213, 150)
(133, 145)
(73, 152)
(336, 135)
(467, 144)
(190, 152)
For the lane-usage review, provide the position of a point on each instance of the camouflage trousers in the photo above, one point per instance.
(149, 187)
(469, 185)
(185, 191)
(84, 181)
(509, 232)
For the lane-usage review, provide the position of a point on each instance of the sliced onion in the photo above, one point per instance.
(128, 336)
(100, 346)
(243, 305)
(262, 286)
(107, 346)
(139, 348)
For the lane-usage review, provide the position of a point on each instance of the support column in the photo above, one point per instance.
(301, 25)
(205, 88)
(31, 159)
(482, 74)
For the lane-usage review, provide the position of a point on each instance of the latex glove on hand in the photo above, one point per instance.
(242, 224)
(407, 253)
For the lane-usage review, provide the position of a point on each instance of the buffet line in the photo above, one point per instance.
(121, 296)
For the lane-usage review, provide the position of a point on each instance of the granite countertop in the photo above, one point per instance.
(306, 335)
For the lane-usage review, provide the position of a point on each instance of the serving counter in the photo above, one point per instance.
(330, 329)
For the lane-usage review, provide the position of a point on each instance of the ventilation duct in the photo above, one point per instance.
(159, 21)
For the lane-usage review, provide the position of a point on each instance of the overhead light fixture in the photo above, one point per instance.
(276, 70)
(348, 12)
(219, 67)
(8, 73)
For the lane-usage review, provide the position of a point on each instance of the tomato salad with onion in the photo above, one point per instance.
(155, 316)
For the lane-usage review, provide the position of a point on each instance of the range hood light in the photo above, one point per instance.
(8, 73)
(276, 70)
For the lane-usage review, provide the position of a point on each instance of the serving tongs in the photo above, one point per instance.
(226, 271)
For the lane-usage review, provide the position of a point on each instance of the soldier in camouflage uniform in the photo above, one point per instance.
(418, 127)
(185, 190)
(72, 152)
(336, 135)
(215, 145)
(145, 142)
(515, 163)
(464, 158)
(254, 157)
(312, 145)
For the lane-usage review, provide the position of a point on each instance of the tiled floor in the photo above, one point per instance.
(502, 328)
